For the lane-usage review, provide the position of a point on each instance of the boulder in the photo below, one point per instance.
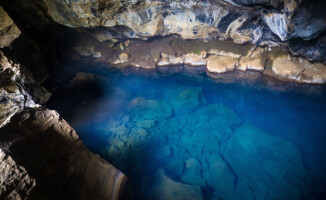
(187, 100)
(165, 188)
(254, 61)
(143, 109)
(221, 64)
(276, 172)
(221, 114)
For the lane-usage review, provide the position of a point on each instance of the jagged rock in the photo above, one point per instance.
(166, 188)
(51, 152)
(257, 22)
(8, 29)
(15, 182)
(17, 89)
(220, 64)
(255, 61)
(170, 60)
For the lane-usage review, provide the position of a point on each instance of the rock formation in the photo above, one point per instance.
(41, 156)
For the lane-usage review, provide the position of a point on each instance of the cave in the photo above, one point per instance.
(162, 100)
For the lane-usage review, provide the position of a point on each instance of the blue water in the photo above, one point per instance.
(180, 138)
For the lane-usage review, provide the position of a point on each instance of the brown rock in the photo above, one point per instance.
(220, 64)
(50, 150)
(8, 29)
(255, 61)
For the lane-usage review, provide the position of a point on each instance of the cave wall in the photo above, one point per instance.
(297, 24)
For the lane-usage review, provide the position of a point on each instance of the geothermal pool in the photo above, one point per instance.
(179, 138)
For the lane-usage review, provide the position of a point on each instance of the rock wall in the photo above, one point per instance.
(244, 21)
(18, 89)
(61, 166)
(41, 156)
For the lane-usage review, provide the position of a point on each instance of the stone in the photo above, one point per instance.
(220, 64)
(58, 149)
(127, 43)
(146, 123)
(220, 52)
(261, 23)
(123, 58)
(8, 29)
(15, 182)
(313, 73)
(194, 59)
(18, 90)
(219, 177)
(121, 130)
(142, 133)
(165, 188)
(166, 60)
(192, 173)
(221, 114)
(163, 152)
(175, 168)
(287, 66)
(122, 47)
(142, 108)
(254, 61)
(187, 100)
(251, 152)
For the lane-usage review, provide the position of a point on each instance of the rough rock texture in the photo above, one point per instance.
(175, 55)
(8, 29)
(51, 152)
(258, 22)
(249, 143)
(17, 89)
(15, 183)
(220, 64)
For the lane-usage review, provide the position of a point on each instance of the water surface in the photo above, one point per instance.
(178, 138)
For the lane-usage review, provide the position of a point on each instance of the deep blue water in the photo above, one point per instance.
(179, 138)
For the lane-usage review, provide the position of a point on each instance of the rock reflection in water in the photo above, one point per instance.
(176, 139)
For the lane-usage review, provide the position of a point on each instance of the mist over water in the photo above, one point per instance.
(178, 138)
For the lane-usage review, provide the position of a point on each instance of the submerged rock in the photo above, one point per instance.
(269, 165)
(145, 109)
(187, 100)
(165, 188)
(221, 114)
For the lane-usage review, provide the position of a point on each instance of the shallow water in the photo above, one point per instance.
(178, 138)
